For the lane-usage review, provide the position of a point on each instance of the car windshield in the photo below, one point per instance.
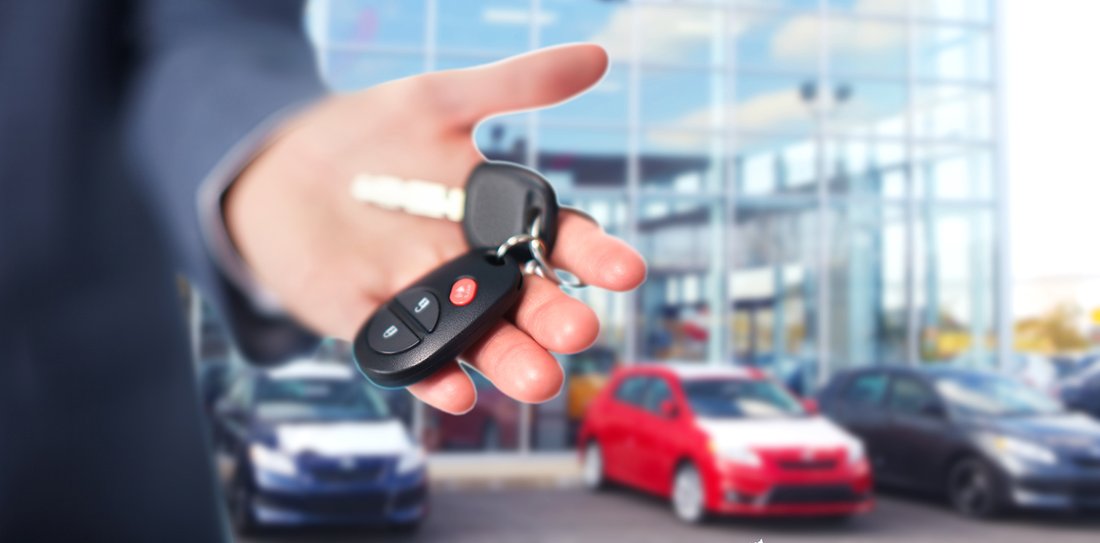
(741, 399)
(993, 395)
(318, 399)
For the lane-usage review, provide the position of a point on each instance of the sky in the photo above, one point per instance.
(1052, 115)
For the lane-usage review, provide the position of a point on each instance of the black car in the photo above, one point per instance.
(314, 443)
(1081, 391)
(986, 441)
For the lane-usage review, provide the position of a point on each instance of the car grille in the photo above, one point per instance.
(359, 504)
(805, 494)
(808, 465)
(347, 471)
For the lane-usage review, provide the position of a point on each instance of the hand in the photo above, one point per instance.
(331, 261)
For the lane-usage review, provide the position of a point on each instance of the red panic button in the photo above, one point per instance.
(463, 291)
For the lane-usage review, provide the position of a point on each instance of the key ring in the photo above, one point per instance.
(540, 266)
(513, 242)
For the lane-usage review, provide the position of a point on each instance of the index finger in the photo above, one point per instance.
(594, 256)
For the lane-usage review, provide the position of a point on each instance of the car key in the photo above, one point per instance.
(439, 316)
(501, 199)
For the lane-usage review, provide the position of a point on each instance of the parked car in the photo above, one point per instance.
(721, 440)
(985, 441)
(313, 443)
(1081, 391)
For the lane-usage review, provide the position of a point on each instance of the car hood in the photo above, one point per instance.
(1066, 431)
(815, 431)
(343, 438)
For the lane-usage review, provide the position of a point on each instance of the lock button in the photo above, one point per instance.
(422, 305)
(388, 335)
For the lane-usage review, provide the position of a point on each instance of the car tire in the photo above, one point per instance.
(244, 520)
(973, 488)
(592, 468)
(689, 501)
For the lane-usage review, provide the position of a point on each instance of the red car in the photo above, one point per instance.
(721, 440)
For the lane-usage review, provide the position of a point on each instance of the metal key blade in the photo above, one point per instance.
(414, 196)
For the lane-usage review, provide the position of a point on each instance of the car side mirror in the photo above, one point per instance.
(810, 406)
(669, 410)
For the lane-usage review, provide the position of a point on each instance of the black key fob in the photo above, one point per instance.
(504, 199)
(437, 318)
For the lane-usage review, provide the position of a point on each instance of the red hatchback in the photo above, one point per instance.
(721, 440)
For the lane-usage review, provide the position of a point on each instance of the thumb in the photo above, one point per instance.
(537, 79)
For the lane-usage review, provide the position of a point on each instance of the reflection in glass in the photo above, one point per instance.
(867, 278)
(861, 168)
(953, 172)
(952, 53)
(772, 287)
(955, 288)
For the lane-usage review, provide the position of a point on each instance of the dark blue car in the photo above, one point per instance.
(314, 443)
(985, 441)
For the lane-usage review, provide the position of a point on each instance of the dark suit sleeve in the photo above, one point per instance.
(210, 74)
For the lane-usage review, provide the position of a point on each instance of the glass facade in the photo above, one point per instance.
(815, 183)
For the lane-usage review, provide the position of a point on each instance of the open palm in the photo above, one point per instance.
(332, 261)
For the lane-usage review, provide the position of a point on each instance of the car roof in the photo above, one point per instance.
(311, 369)
(698, 370)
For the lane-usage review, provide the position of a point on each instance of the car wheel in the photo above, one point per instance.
(244, 520)
(688, 495)
(972, 488)
(592, 469)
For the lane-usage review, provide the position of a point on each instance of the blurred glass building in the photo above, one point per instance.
(816, 184)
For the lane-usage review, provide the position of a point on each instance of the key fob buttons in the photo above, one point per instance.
(422, 305)
(388, 335)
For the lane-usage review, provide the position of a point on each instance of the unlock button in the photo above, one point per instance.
(388, 335)
(422, 305)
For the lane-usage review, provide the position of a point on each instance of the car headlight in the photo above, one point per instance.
(740, 455)
(272, 460)
(412, 460)
(856, 452)
(1024, 450)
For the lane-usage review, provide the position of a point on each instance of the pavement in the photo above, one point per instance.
(538, 498)
(503, 471)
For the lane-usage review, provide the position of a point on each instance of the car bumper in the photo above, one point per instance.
(838, 492)
(400, 500)
(1056, 491)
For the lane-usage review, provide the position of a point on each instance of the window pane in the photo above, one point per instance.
(774, 104)
(952, 53)
(679, 239)
(778, 41)
(953, 172)
(955, 286)
(866, 47)
(864, 169)
(775, 165)
(952, 112)
(497, 29)
(681, 161)
(867, 312)
(866, 391)
(773, 287)
(369, 23)
(680, 98)
(867, 108)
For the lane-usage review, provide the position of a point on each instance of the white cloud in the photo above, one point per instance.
(798, 38)
(668, 34)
